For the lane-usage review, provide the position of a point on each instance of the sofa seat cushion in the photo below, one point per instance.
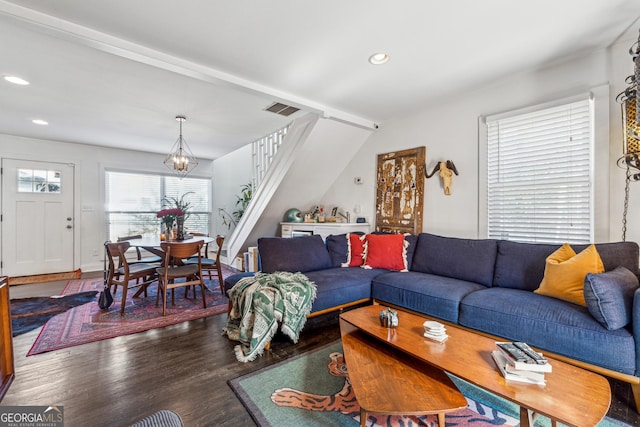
(436, 296)
(341, 285)
(465, 259)
(334, 286)
(549, 324)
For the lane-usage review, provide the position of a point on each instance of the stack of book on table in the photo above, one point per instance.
(518, 362)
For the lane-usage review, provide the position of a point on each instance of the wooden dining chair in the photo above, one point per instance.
(140, 258)
(122, 273)
(210, 265)
(174, 268)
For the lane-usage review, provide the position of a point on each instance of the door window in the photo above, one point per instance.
(39, 181)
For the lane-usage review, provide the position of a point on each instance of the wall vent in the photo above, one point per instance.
(282, 109)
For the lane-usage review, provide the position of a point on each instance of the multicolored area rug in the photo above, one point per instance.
(88, 323)
(28, 314)
(313, 389)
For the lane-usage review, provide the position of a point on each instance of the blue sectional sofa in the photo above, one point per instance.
(485, 285)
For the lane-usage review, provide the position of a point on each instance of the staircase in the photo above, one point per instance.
(314, 153)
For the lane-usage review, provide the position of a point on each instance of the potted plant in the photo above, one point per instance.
(242, 201)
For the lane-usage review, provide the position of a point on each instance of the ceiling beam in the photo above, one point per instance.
(116, 46)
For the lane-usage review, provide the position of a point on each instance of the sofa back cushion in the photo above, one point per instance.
(617, 254)
(297, 254)
(472, 260)
(521, 265)
(412, 240)
(338, 248)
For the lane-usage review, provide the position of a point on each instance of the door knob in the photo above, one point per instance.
(69, 226)
(69, 218)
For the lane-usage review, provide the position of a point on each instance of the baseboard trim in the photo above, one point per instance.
(40, 278)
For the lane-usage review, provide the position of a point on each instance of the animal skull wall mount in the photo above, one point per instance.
(447, 169)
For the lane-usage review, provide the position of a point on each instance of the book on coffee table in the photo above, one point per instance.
(512, 374)
(522, 357)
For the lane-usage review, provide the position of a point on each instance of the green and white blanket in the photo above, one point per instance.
(260, 303)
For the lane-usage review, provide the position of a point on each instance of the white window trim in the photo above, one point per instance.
(600, 159)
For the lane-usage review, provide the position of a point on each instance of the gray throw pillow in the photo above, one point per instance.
(609, 296)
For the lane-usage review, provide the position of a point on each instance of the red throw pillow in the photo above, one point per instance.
(386, 251)
(355, 250)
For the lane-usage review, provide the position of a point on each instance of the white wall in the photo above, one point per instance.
(449, 130)
(90, 162)
(230, 172)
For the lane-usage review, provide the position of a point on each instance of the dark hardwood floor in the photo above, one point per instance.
(183, 368)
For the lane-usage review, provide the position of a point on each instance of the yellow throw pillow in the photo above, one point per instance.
(565, 271)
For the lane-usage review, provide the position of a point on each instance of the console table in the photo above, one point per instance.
(7, 371)
(324, 229)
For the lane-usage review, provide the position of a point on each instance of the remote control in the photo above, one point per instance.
(517, 354)
(529, 352)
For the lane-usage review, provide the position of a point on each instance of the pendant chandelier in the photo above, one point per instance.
(180, 159)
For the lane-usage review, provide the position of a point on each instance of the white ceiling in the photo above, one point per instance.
(116, 73)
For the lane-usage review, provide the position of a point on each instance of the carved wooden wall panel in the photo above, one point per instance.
(400, 191)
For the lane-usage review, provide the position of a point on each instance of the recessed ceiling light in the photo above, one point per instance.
(379, 58)
(16, 80)
(40, 122)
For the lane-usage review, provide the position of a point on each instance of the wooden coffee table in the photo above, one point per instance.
(387, 381)
(571, 395)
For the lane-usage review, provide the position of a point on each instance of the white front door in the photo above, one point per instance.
(37, 217)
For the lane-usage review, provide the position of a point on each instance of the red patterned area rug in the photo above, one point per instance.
(88, 323)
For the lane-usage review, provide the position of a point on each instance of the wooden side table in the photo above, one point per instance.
(7, 369)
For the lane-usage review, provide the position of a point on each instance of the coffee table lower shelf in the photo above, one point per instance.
(389, 382)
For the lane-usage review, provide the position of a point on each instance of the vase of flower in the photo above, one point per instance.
(179, 214)
(168, 217)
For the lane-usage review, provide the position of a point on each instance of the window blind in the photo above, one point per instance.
(540, 174)
(132, 201)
